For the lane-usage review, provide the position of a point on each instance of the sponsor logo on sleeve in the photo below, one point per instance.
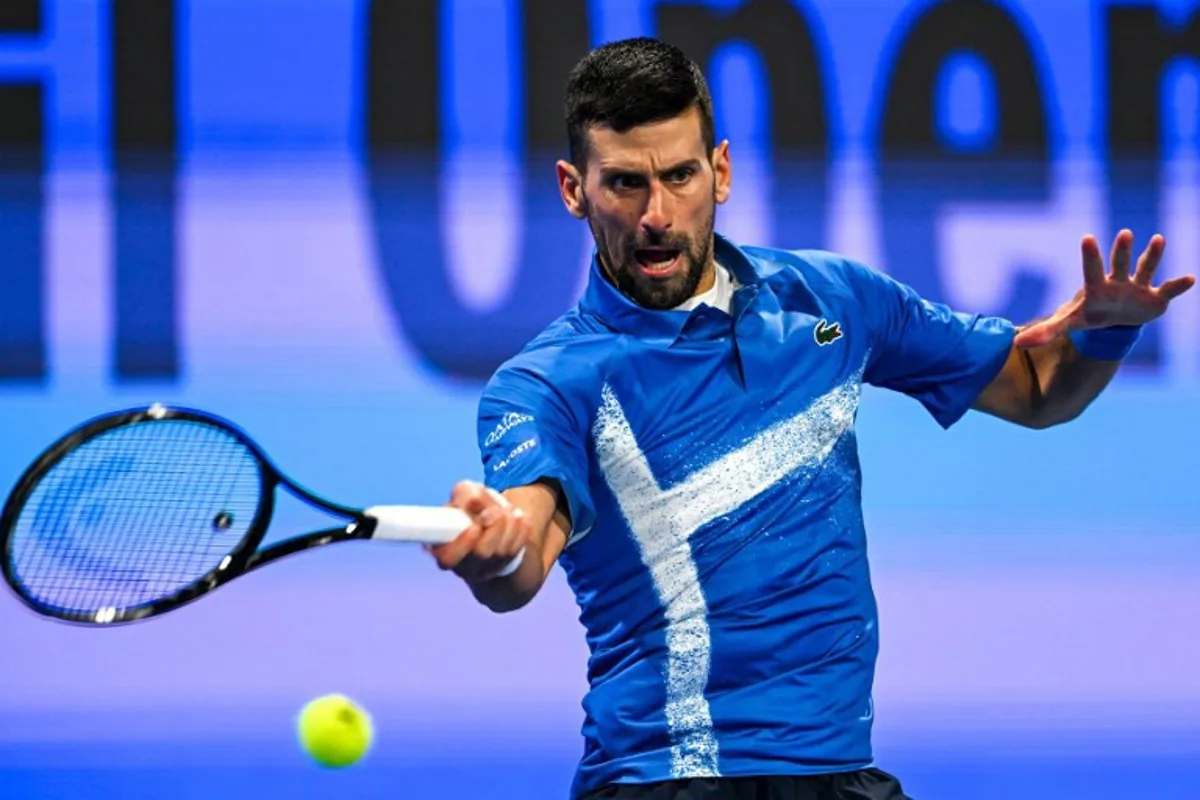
(523, 447)
(511, 420)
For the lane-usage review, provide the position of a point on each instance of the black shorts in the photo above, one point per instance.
(864, 784)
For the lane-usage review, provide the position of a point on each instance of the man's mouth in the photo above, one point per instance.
(657, 261)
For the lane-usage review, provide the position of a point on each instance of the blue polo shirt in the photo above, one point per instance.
(717, 551)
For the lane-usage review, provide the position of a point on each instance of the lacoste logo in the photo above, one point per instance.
(826, 333)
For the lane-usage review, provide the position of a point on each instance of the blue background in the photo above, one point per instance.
(1038, 589)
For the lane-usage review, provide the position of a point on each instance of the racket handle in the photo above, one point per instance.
(425, 524)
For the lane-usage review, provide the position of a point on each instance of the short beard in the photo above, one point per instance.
(621, 266)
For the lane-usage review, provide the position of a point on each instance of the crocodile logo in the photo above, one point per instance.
(827, 333)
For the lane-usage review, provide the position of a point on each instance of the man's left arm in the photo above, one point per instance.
(1047, 386)
(1058, 366)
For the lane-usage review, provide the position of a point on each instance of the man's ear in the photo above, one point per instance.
(722, 172)
(570, 187)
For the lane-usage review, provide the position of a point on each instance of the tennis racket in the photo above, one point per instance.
(135, 513)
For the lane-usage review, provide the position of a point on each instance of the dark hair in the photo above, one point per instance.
(633, 82)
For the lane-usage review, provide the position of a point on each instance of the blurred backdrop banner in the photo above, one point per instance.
(330, 220)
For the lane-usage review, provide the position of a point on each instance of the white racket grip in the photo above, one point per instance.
(427, 525)
(424, 524)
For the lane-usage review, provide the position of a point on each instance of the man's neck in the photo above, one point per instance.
(708, 278)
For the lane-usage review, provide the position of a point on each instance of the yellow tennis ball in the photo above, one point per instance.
(335, 731)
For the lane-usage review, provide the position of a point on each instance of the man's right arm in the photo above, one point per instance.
(532, 443)
(525, 521)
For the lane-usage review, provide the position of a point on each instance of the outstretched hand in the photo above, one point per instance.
(1115, 298)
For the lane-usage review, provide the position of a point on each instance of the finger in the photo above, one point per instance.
(1093, 263)
(502, 544)
(474, 498)
(492, 517)
(1149, 260)
(516, 535)
(487, 546)
(1122, 251)
(1175, 287)
(462, 490)
(468, 496)
(486, 506)
(452, 553)
(498, 500)
(495, 522)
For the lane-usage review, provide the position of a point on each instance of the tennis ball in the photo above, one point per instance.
(334, 731)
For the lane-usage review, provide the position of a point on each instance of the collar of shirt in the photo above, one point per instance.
(603, 300)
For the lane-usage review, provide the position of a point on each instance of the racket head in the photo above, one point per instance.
(135, 513)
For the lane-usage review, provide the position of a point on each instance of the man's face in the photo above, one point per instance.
(649, 196)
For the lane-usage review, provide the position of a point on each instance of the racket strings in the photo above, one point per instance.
(68, 566)
(135, 515)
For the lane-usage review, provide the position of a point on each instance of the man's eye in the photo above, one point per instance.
(681, 175)
(625, 181)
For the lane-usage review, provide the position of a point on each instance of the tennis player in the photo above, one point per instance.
(682, 443)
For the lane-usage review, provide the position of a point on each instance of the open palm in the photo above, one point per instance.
(1115, 298)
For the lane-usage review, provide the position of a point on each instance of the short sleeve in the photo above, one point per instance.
(940, 357)
(528, 433)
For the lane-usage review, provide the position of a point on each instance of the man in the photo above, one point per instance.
(682, 443)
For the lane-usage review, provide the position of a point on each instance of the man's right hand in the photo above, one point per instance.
(519, 523)
(498, 534)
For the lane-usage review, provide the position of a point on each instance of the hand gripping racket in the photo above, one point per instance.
(138, 512)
